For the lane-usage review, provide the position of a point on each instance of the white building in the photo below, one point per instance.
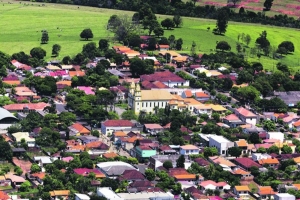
(284, 196)
(275, 135)
(147, 100)
(246, 116)
(81, 197)
(188, 150)
(110, 126)
(108, 193)
(221, 143)
(260, 156)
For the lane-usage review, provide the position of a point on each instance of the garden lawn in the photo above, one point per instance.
(22, 25)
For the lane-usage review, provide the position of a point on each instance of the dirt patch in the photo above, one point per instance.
(23, 164)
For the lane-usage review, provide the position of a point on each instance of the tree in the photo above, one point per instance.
(223, 46)
(129, 115)
(282, 67)
(179, 44)
(180, 161)
(38, 52)
(113, 22)
(216, 117)
(86, 34)
(67, 118)
(261, 150)
(150, 24)
(56, 49)
(112, 183)
(288, 45)
(247, 39)
(235, 151)
(263, 42)
(168, 164)
(158, 31)
(167, 23)
(248, 93)
(25, 186)
(150, 174)
(139, 67)
(254, 138)
(178, 21)
(5, 150)
(268, 4)
(222, 21)
(35, 168)
(45, 37)
(286, 149)
(103, 44)
(210, 151)
(273, 149)
(254, 171)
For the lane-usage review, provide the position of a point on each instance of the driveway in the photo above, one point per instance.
(119, 111)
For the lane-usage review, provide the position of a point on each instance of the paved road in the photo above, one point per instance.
(119, 111)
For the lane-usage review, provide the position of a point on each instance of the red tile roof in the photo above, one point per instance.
(3, 196)
(247, 162)
(162, 77)
(81, 129)
(132, 174)
(245, 112)
(40, 175)
(30, 106)
(86, 172)
(201, 95)
(118, 123)
(188, 93)
(232, 117)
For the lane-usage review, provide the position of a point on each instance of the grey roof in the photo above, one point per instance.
(115, 168)
(5, 114)
(116, 72)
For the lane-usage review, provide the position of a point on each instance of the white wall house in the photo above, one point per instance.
(246, 116)
(221, 143)
(260, 156)
(275, 135)
(188, 150)
(284, 196)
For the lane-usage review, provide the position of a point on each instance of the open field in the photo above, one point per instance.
(288, 7)
(22, 25)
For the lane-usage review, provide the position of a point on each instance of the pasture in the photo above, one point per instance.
(22, 24)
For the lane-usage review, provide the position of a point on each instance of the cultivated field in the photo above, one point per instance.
(22, 24)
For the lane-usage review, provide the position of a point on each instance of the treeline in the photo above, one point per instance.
(189, 9)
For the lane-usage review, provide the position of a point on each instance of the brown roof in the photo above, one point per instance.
(59, 193)
(110, 155)
(76, 73)
(118, 122)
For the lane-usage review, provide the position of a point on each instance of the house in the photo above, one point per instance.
(87, 139)
(96, 148)
(284, 196)
(224, 163)
(147, 100)
(296, 125)
(275, 135)
(246, 116)
(87, 90)
(142, 152)
(81, 196)
(116, 135)
(221, 143)
(265, 192)
(24, 135)
(121, 92)
(15, 180)
(246, 163)
(272, 162)
(114, 169)
(164, 47)
(232, 120)
(153, 129)
(110, 155)
(259, 156)
(242, 191)
(77, 129)
(26, 107)
(166, 149)
(3, 195)
(131, 175)
(86, 172)
(203, 109)
(289, 120)
(243, 144)
(42, 161)
(59, 194)
(180, 174)
(187, 94)
(209, 184)
(108, 193)
(158, 160)
(139, 186)
(202, 96)
(168, 78)
(188, 150)
(115, 125)
(242, 174)
(202, 162)
(39, 176)
(6, 119)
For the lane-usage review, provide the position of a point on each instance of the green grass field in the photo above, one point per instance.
(22, 25)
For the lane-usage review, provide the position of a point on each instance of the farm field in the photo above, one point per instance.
(22, 25)
(288, 7)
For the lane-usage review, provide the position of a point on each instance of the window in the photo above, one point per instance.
(146, 105)
(142, 104)
(149, 104)
(223, 152)
(138, 103)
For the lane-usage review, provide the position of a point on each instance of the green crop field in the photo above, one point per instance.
(22, 24)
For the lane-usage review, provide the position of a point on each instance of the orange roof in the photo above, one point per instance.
(3, 195)
(94, 144)
(59, 193)
(76, 73)
(119, 134)
(12, 82)
(188, 93)
(81, 129)
(297, 123)
(265, 190)
(268, 161)
(133, 139)
(201, 94)
(242, 188)
(240, 171)
(297, 186)
(297, 160)
(241, 143)
(68, 83)
(184, 176)
(220, 160)
(110, 155)
(40, 175)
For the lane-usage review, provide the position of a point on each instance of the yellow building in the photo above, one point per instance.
(147, 100)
